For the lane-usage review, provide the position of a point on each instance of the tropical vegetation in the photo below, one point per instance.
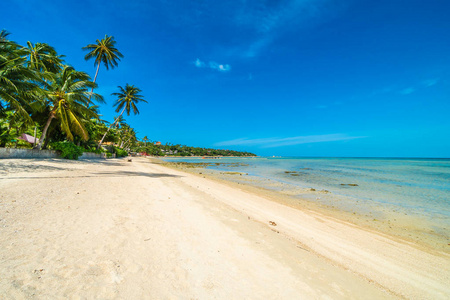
(43, 97)
(104, 51)
(156, 149)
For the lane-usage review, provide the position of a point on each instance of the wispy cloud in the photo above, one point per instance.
(407, 91)
(272, 18)
(430, 82)
(416, 86)
(288, 141)
(212, 65)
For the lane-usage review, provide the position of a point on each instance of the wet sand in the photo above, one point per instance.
(432, 234)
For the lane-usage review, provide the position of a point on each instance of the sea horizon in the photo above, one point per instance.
(363, 157)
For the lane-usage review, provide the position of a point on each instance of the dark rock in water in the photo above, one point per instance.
(295, 173)
(349, 184)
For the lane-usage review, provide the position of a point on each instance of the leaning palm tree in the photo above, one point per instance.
(67, 99)
(123, 133)
(131, 135)
(128, 97)
(104, 51)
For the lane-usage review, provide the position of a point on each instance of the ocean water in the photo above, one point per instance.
(408, 186)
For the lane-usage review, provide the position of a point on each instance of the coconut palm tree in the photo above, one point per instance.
(128, 97)
(42, 57)
(145, 140)
(3, 34)
(104, 51)
(17, 83)
(67, 99)
(123, 133)
(131, 135)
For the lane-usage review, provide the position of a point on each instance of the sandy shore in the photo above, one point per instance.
(119, 230)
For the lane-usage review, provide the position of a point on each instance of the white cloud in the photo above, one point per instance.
(199, 64)
(289, 141)
(212, 65)
(219, 67)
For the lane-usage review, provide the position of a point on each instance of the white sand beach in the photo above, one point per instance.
(115, 229)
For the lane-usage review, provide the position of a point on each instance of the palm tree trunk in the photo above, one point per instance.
(44, 132)
(34, 144)
(17, 140)
(126, 143)
(95, 78)
(109, 128)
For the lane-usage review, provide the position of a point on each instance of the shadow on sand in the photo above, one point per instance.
(100, 174)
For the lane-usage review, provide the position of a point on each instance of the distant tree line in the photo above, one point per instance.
(168, 149)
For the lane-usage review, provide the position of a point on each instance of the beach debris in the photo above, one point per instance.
(312, 190)
(272, 223)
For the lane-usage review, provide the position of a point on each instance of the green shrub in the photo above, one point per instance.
(95, 150)
(121, 152)
(68, 150)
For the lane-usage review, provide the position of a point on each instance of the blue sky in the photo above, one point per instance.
(290, 77)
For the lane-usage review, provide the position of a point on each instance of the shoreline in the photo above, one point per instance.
(119, 229)
(336, 216)
(407, 227)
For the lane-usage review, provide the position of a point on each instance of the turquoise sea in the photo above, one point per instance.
(416, 187)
